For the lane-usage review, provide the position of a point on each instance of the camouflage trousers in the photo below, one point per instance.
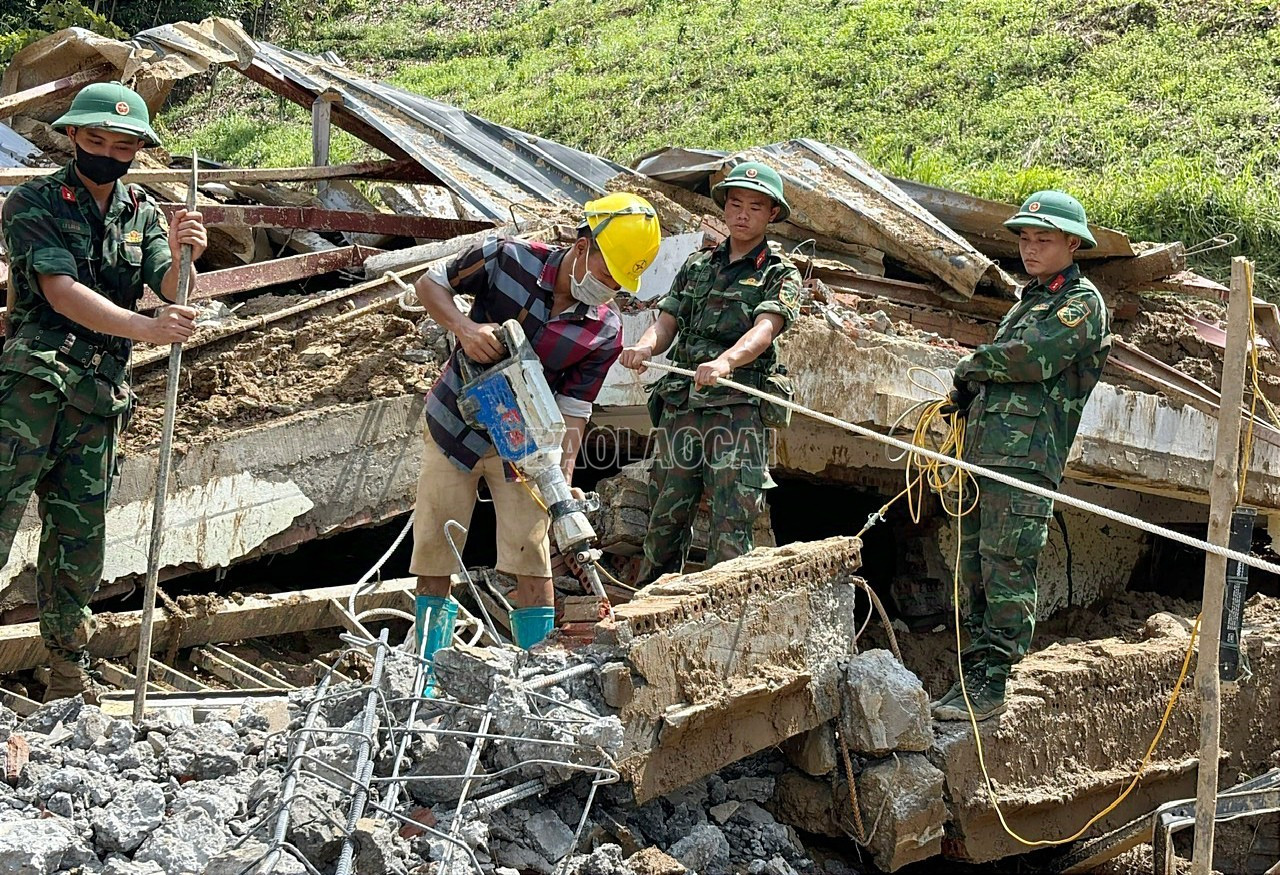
(66, 457)
(1000, 545)
(723, 449)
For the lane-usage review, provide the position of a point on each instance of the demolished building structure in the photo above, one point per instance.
(301, 419)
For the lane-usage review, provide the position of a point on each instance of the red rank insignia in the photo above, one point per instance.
(68, 195)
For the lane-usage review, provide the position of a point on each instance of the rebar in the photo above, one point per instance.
(394, 723)
(364, 759)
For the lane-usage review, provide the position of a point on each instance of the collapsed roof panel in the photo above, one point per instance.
(489, 166)
(834, 192)
(981, 221)
(151, 63)
(15, 150)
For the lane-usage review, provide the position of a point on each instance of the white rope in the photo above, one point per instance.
(1079, 504)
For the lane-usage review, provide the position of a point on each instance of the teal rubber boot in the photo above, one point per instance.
(531, 626)
(443, 615)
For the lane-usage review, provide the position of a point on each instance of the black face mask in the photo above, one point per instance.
(100, 169)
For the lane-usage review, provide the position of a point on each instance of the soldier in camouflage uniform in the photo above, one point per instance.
(81, 244)
(1023, 395)
(728, 306)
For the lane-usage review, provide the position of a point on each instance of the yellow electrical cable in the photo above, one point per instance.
(977, 735)
(520, 478)
(921, 471)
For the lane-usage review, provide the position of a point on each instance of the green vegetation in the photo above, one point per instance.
(1163, 116)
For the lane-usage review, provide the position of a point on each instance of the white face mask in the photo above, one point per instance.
(589, 290)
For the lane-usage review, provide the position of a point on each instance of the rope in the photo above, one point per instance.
(1068, 500)
(945, 473)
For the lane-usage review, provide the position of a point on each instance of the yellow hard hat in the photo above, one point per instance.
(625, 227)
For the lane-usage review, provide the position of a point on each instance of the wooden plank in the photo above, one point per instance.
(20, 101)
(401, 171)
(254, 617)
(18, 703)
(344, 619)
(1190, 283)
(121, 677)
(319, 219)
(846, 279)
(167, 674)
(321, 110)
(219, 668)
(1223, 495)
(233, 669)
(1129, 274)
(377, 287)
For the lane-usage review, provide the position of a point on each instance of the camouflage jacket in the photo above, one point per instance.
(1037, 375)
(715, 302)
(52, 226)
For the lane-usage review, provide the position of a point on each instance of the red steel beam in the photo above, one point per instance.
(218, 283)
(320, 219)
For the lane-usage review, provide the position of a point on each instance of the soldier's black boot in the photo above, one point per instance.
(975, 672)
(69, 678)
(986, 699)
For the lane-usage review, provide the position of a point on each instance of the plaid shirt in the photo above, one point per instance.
(515, 279)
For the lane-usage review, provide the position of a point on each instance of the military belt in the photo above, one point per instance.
(106, 364)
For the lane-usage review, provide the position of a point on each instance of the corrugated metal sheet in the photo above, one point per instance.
(487, 165)
(15, 151)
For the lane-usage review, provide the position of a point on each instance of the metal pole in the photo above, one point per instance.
(162, 471)
(1223, 489)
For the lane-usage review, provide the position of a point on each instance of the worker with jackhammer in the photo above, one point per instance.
(725, 310)
(81, 246)
(561, 298)
(1022, 396)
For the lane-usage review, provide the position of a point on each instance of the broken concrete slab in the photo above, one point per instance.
(184, 843)
(888, 709)
(700, 703)
(902, 810)
(256, 492)
(1052, 771)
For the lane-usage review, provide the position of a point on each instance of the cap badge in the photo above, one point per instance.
(1033, 207)
(752, 173)
(122, 108)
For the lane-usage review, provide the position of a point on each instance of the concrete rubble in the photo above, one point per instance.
(725, 717)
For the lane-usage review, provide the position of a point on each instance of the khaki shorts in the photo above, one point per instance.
(446, 492)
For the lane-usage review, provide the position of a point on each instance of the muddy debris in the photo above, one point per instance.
(282, 370)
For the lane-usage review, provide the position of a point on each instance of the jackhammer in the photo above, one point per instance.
(511, 402)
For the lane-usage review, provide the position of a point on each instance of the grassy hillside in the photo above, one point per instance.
(1164, 117)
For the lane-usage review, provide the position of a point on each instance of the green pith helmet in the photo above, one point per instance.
(757, 177)
(1057, 210)
(112, 107)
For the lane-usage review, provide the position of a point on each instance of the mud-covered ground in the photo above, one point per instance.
(283, 369)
